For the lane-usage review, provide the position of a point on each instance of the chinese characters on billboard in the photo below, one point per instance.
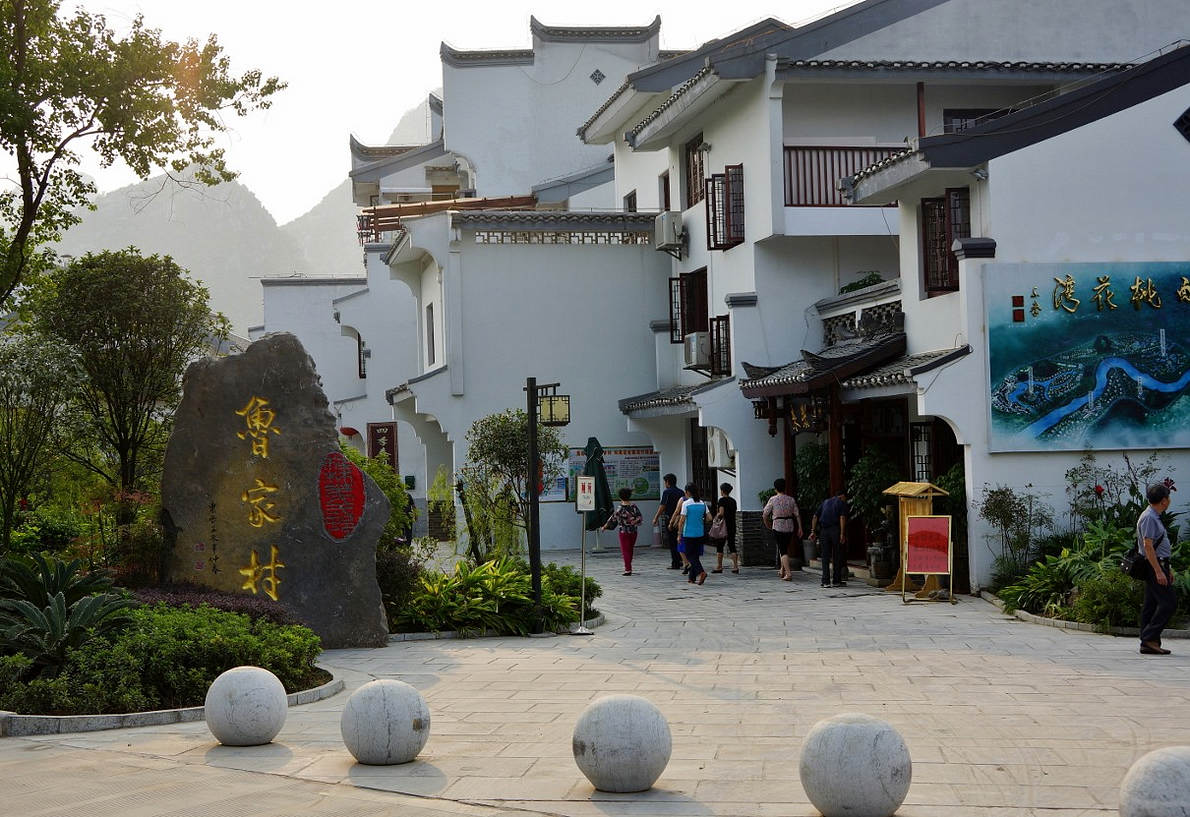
(1088, 356)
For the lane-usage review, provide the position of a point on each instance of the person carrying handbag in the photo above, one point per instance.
(722, 531)
(627, 518)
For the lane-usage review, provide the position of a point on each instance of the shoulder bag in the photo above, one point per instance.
(718, 528)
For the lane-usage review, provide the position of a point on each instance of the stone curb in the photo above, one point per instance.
(14, 725)
(1062, 624)
(395, 638)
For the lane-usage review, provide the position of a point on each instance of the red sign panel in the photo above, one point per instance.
(928, 544)
(340, 494)
(382, 442)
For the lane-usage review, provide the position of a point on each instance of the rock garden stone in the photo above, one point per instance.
(258, 499)
(1158, 785)
(385, 722)
(622, 743)
(855, 765)
(246, 706)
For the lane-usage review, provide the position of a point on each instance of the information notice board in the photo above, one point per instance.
(635, 467)
(927, 545)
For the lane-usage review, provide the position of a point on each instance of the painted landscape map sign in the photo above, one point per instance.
(638, 468)
(1088, 356)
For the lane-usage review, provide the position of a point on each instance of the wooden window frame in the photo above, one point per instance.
(725, 208)
(663, 188)
(694, 171)
(688, 305)
(720, 329)
(943, 219)
(630, 202)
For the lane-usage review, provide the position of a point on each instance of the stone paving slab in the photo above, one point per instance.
(1002, 718)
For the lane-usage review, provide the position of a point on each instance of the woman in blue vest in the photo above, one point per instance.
(692, 522)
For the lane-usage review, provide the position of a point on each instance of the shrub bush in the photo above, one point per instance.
(1108, 598)
(493, 597)
(166, 657)
(397, 572)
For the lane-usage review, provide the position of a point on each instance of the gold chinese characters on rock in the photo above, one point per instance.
(261, 499)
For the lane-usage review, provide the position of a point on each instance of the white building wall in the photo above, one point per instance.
(517, 123)
(587, 329)
(1110, 191)
(302, 306)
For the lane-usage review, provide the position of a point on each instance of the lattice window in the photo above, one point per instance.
(591, 237)
(883, 314)
(720, 345)
(361, 356)
(959, 119)
(943, 220)
(687, 305)
(836, 328)
(694, 171)
(630, 202)
(725, 208)
(921, 437)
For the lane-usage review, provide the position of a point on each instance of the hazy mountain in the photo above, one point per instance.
(222, 234)
(226, 238)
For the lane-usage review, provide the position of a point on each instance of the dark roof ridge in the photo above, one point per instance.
(459, 58)
(595, 34)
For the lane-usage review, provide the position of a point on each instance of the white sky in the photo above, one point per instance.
(355, 67)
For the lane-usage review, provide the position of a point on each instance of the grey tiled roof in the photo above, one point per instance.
(595, 34)
(956, 65)
(811, 364)
(670, 396)
(904, 369)
(671, 99)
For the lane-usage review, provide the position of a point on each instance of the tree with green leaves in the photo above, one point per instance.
(133, 324)
(494, 477)
(70, 83)
(36, 381)
(401, 510)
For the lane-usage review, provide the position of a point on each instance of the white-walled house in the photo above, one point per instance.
(1068, 276)
(507, 295)
(743, 141)
(503, 132)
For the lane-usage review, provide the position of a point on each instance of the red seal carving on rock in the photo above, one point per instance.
(340, 494)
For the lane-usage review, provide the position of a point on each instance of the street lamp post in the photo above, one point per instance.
(554, 410)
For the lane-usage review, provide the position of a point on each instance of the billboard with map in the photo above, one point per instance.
(1088, 356)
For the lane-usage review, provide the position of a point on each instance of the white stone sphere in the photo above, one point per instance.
(1158, 785)
(245, 706)
(855, 765)
(385, 722)
(622, 743)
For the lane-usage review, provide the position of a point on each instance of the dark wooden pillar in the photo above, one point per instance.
(921, 109)
(835, 439)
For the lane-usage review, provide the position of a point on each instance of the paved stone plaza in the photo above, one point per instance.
(1001, 717)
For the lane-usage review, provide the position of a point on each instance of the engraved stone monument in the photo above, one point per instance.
(258, 499)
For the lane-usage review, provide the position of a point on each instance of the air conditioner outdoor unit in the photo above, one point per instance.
(698, 349)
(719, 455)
(667, 231)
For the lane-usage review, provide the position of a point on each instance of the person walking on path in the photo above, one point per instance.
(781, 516)
(1160, 597)
(627, 518)
(671, 497)
(830, 526)
(692, 521)
(725, 508)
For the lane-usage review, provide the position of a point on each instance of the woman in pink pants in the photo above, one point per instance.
(627, 518)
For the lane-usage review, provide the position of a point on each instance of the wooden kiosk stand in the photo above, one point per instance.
(915, 500)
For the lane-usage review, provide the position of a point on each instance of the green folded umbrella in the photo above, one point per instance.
(596, 519)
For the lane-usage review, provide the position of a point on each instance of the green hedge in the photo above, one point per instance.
(493, 598)
(165, 658)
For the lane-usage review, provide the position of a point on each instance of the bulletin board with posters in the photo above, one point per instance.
(635, 467)
(928, 548)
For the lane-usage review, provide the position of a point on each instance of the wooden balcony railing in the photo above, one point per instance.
(812, 173)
